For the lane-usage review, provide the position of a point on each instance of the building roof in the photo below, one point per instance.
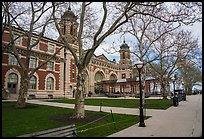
(121, 80)
(124, 45)
(69, 14)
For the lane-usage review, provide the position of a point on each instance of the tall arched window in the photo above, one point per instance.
(12, 82)
(50, 83)
(99, 76)
(123, 55)
(33, 82)
(113, 77)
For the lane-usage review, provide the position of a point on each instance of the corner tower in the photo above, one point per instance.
(124, 54)
(68, 25)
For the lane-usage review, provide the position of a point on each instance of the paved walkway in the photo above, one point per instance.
(182, 121)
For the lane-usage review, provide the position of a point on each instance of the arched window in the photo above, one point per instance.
(99, 76)
(123, 55)
(113, 77)
(33, 82)
(12, 82)
(50, 83)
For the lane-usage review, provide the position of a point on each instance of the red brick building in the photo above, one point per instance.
(46, 79)
(57, 78)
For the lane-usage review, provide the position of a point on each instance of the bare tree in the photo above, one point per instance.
(100, 32)
(172, 49)
(13, 17)
(151, 24)
(190, 72)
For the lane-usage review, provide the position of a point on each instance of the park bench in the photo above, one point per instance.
(65, 131)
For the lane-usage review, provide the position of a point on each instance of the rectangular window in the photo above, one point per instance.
(33, 63)
(13, 60)
(32, 42)
(73, 66)
(50, 66)
(73, 75)
(73, 71)
(16, 39)
(51, 48)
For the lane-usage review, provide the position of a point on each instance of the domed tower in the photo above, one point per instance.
(124, 54)
(69, 25)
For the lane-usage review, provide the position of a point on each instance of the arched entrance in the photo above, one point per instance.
(12, 83)
(99, 76)
(112, 87)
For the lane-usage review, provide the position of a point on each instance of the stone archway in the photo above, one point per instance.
(99, 76)
(14, 94)
(112, 88)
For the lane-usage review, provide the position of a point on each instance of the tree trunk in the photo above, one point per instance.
(79, 112)
(163, 90)
(189, 90)
(22, 93)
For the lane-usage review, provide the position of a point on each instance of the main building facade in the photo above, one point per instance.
(57, 79)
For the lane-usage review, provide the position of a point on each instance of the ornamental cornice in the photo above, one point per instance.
(34, 53)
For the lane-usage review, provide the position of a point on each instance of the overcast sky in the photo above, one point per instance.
(196, 30)
(118, 40)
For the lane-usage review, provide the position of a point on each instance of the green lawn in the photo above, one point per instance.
(125, 103)
(35, 118)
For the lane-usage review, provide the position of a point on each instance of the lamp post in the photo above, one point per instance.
(184, 93)
(139, 66)
(175, 98)
(173, 79)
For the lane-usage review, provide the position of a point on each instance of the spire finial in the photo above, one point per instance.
(69, 8)
(124, 39)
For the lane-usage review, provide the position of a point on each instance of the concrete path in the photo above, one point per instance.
(132, 111)
(182, 121)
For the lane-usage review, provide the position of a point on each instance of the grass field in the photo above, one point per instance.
(125, 103)
(35, 118)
